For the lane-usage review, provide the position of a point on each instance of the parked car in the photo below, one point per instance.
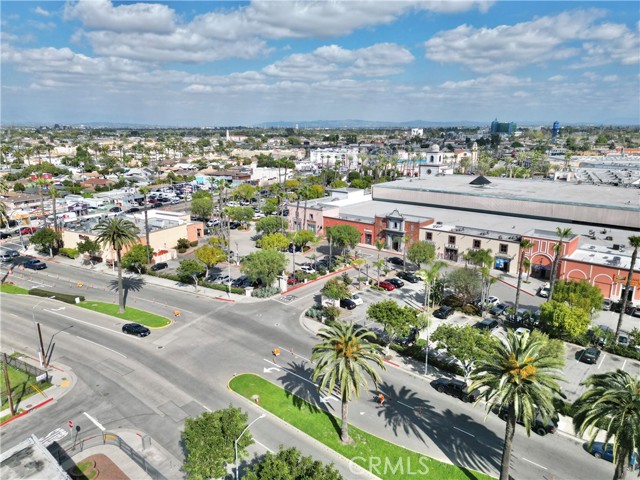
(409, 277)
(520, 331)
(307, 269)
(347, 303)
(623, 340)
(5, 257)
(540, 426)
(223, 279)
(241, 282)
(385, 285)
(133, 210)
(487, 324)
(544, 290)
(356, 299)
(455, 388)
(606, 304)
(213, 223)
(605, 451)
(395, 261)
(35, 264)
(135, 329)
(396, 282)
(4, 235)
(293, 246)
(498, 309)
(25, 230)
(443, 312)
(159, 266)
(293, 280)
(11, 252)
(115, 209)
(590, 355)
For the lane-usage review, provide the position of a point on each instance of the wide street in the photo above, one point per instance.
(152, 384)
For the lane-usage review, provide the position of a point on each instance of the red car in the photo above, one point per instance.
(386, 285)
(26, 230)
(293, 280)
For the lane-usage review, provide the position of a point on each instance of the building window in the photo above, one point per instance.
(504, 248)
(311, 216)
(476, 244)
(452, 240)
(367, 238)
(429, 236)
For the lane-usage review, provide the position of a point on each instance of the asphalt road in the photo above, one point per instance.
(154, 383)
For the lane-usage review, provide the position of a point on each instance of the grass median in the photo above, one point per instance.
(23, 386)
(8, 288)
(324, 427)
(150, 320)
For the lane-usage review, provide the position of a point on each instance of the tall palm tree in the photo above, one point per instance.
(117, 233)
(345, 357)
(145, 191)
(429, 275)
(611, 403)
(634, 241)
(525, 244)
(519, 377)
(3, 206)
(41, 183)
(54, 194)
(562, 234)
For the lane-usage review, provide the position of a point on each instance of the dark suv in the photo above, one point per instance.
(539, 426)
(456, 388)
(443, 312)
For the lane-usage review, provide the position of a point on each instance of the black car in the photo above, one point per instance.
(487, 324)
(539, 426)
(590, 355)
(396, 282)
(395, 261)
(498, 309)
(133, 210)
(159, 266)
(347, 303)
(135, 329)
(115, 209)
(456, 388)
(4, 235)
(241, 282)
(35, 264)
(409, 277)
(443, 312)
(296, 247)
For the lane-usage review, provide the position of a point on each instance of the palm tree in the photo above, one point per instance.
(634, 241)
(117, 233)
(379, 264)
(562, 234)
(525, 244)
(519, 377)
(54, 194)
(345, 357)
(145, 191)
(429, 276)
(611, 403)
(41, 183)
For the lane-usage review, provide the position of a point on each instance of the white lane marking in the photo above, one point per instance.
(94, 421)
(270, 370)
(602, 361)
(54, 436)
(534, 463)
(262, 445)
(327, 398)
(107, 348)
(82, 321)
(460, 430)
(160, 303)
(283, 349)
(205, 407)
(289, 371)
(623, 365)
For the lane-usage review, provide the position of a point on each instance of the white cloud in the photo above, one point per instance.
(540, 41)
(557, 78)
(42, 12)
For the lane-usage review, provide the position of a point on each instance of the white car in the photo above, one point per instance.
(356, 299)
(521, 331)
(258, 215)
(543, 291)
(307, 269)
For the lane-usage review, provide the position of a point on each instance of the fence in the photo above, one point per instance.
(70, 446)
(25, 367)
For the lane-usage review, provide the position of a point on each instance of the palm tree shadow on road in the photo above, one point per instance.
(131, 283)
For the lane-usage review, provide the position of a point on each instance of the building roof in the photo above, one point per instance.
(601, 255)
(30, 459)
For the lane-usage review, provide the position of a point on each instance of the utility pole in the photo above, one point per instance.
(44, 354)
(7, 384)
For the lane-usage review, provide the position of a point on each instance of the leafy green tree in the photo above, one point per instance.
(466, 343)
(245, 191)
(19, 187)
(334, 289)
(580, 294)
(466, 283)
(190, 270)
(270, 206)
(520, 378)
(274, 241)
(242, 215)
(46, 239)
(209, 442)
(612, 404)
(430, 276)
(634, 241)
(289, 464)
(563, 320)
(210, 256)
(201, 207)
(136, 257)
(343, 236)
(345, 357)
(421, 252)
(397, 320)
(270, 224)
(183, 243)
(117, 233)
(265, 265)
(201, 194)
(303, 237)
(88, 246)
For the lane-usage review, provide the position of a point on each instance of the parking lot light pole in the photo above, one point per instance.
(235, 442)
(41, 353)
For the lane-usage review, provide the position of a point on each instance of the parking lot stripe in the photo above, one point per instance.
(602, 361)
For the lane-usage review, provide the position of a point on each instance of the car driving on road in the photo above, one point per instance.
(35, 264)
(455, 388)
(135, 329)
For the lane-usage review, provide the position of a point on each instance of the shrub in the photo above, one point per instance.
(265, 292)
(453, 301)
(183, 243)
(194, 243)
(182, 250)
(63, 297)
(69, 252)
(469, 309)
(617, 349)
(223, 288)
(332, 313)
(315, 312)
(322, 271)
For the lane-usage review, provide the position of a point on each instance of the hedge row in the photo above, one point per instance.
(63, 297)
(213, 286)
(69, 252)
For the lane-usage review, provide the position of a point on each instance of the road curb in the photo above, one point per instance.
(15, 417)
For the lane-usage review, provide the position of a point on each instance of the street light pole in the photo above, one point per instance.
(41, 353)
(235, 442)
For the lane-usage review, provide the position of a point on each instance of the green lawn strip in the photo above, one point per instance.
(6, 288)
(324, 427)
(21, 387)
(130, 314)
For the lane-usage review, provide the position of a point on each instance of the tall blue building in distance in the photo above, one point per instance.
(556, 130)
(500, 127)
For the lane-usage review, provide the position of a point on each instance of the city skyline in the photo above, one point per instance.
(224, 63)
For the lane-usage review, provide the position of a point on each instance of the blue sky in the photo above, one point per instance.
(242, 63)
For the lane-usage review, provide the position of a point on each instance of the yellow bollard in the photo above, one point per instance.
(79, 284)
(176, 313)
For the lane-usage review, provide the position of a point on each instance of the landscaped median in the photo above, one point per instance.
(147, 319)
(384, 459)
(10, 288)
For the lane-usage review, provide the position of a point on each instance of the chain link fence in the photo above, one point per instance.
(18, 364)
